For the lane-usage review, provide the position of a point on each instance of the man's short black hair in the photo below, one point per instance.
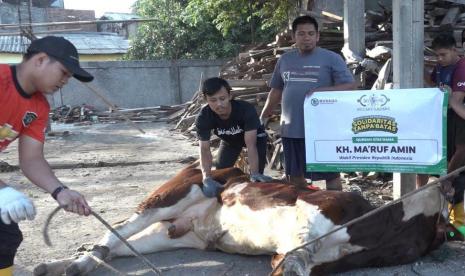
(443, 41)
(304, 19)
(212, 85)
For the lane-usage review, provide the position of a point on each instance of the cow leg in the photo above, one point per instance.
(298, 263)
(180, 227)
(330, 248)
(135, 224)
(152, 239)
(155, 238)
(52, 268)
(160, 236)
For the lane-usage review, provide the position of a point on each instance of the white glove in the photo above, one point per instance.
(15, 206)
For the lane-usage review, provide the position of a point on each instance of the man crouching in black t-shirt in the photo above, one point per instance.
(237, 124)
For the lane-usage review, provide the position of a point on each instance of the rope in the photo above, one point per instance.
(104, 264)
(108, 226)
(369, 214)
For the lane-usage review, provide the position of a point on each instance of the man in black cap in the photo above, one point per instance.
(46, 67)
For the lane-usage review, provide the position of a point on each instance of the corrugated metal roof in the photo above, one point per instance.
(87, 43)
(98, 43)
(13, 44)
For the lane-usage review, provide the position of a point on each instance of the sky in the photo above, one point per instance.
(100, 6)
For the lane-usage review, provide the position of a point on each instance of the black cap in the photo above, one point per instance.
(63, 51)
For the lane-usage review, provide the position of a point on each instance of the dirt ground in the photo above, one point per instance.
(87, 160)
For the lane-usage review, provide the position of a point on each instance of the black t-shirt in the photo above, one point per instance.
(243, 118)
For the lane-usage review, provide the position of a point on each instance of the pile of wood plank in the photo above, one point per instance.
(87, 114)
(444, 16)
(159, 113)
(258, 63)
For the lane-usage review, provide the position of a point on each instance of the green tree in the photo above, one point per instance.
(206, 28)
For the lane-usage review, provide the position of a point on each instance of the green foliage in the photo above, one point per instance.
(206, 29)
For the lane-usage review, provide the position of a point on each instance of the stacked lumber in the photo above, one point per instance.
(444, 16)
(159, 113)
(258, 63)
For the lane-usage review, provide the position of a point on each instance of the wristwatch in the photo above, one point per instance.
(57, 191)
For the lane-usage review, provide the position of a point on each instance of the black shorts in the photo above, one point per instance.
(455, 132)
(295, 161)
(227, 154)
(10, 239)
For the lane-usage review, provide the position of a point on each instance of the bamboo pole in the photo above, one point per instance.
(18, 32)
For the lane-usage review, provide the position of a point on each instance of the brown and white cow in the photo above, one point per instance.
(272, 218)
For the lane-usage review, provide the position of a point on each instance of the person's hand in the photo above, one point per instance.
(15, 206)
(446, 89)
(73, 201)
(211, 187)
(258, 177)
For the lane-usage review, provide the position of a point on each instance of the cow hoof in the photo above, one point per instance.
(40, 270)
(73, 270)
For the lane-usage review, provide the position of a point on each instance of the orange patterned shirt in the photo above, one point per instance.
(20, 114)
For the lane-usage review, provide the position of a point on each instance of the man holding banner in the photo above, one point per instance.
(307, 69)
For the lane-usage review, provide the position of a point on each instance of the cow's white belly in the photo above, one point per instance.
(270, 230)
(259, 232)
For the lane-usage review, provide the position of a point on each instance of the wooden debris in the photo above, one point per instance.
(85, 113)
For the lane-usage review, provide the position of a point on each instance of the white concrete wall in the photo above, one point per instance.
(131, 84)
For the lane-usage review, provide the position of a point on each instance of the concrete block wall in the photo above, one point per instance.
(131, 84)
(9, 15)
(62, 15)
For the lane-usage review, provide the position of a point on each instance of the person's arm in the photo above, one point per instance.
(206, 159)
(428, 77)
(250, 139)
(274, 98)
(38, 171)
(456, 102)
(210, 187)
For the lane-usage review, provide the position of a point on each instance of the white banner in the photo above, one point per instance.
(398, 130)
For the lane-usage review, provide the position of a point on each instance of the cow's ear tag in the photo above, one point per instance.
(451, 234)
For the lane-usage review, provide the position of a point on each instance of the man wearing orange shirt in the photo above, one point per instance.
(46, 67)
